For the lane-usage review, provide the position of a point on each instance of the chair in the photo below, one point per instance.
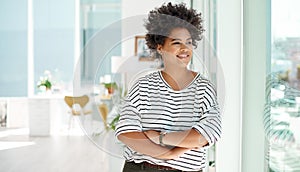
(103, 109)
(77, 106)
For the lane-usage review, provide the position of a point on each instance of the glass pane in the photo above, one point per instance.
(282, 117)
(13, 46)
(96, 19)
(54, 44)
(205, 61)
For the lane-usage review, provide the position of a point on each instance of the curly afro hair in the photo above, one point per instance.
(161, 21)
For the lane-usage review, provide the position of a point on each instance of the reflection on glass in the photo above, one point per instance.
(96, 17)
(282, 117)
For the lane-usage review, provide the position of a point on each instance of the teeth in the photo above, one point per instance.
(182, 56)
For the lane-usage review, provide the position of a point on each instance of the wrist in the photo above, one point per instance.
(161, 136)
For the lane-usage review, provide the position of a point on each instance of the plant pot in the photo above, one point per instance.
(110, 90)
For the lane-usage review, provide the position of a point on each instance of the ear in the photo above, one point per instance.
(159, 48)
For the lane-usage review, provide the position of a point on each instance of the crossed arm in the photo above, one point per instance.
(186, 139)
(148, 142)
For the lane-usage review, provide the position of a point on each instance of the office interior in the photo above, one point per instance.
(51, 50)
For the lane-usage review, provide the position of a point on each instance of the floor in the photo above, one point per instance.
(70, 152)
(65, 150)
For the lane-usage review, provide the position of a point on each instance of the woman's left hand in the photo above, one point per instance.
(153, 135)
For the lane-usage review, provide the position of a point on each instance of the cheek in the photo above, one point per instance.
(170, 50)
(171, 53)
(174, 49)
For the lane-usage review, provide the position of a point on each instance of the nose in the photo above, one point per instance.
(184, 47)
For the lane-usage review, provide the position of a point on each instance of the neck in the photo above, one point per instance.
(176, 72)
(178, 79)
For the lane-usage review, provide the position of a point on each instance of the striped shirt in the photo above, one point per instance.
(283, 151)
(152, 104)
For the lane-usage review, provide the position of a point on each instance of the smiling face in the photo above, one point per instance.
(177, 49)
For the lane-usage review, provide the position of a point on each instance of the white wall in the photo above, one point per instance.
(17, 112)
(256, 23)
(229, 52)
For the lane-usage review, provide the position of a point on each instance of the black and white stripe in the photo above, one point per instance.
(283, 153)
(153, 105)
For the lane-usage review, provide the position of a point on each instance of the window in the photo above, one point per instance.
(283, 83)
(13, 45)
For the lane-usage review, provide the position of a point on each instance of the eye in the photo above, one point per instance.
(189, 43)
(176, 43)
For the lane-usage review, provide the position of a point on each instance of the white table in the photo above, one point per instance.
(46, 114)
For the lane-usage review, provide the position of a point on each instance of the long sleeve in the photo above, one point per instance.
(130, 119)
(209, 124)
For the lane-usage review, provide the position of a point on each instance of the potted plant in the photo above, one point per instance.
(45, 82)
(110, 87)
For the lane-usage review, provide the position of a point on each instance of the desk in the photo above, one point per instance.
(45, 114)
(39, 116)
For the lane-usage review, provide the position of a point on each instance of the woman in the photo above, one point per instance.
(170, 117)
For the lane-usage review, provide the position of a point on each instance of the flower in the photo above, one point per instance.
(45, 83)
(45, 80)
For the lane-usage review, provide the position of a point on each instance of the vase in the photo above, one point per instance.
(110, 90)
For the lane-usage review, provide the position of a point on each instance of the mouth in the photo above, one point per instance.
(182, 56)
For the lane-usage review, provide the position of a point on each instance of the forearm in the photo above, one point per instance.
(140, 143)
(188, 139)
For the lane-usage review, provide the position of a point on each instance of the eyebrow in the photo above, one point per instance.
(176, 39)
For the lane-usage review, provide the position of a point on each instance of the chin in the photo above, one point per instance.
(184, 64)
(184, 61)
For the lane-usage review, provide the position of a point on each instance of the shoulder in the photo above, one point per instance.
(205, 83)
(153, 76)
(145, 80)
(200, 79)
